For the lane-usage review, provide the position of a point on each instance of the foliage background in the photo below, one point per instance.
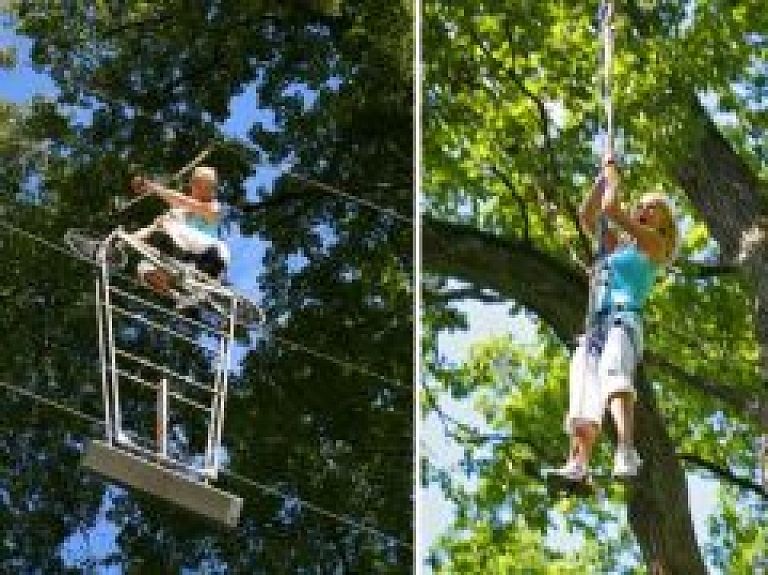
(326, 90)
(511, 126)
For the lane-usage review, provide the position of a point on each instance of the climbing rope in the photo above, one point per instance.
(609, 175)
(605, 20)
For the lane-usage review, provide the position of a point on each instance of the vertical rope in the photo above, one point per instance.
(606, 34)
(609, 176)
(605, 17)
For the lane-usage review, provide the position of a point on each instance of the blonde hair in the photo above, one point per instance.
(669, 229)
(204, 173)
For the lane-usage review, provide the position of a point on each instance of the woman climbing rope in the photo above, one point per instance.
(188, 231)
(634, 251)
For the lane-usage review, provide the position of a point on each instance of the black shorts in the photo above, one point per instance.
(209, 262)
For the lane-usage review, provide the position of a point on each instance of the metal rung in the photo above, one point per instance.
(130, 442)
(157, 326)
(173, 394)
(162, 260)
(167, 371)
(211, 286)
(167, 311)
(150, 477)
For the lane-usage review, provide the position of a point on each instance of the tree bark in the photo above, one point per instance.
(658, 507)
(730, 198)
(512, 268)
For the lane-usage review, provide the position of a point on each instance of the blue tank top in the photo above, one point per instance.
(626, 278)
(198, 222)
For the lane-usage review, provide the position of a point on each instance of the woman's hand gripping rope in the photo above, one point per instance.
(609, 176)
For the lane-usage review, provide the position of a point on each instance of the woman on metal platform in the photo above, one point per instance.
(187, 232)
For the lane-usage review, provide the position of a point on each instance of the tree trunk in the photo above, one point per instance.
(516, 270)
(658, 506)
(730, 199)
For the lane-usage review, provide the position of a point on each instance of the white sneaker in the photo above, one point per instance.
(573, 471)
(626, 462)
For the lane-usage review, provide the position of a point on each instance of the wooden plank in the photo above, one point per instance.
(134, 471)
(557, 486)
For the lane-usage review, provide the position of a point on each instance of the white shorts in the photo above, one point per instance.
(603, 366)
(190, 241)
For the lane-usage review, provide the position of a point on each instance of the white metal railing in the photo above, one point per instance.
(119, 366)
(166, 370)
(170, 313)
(164, 386)
(159, 327)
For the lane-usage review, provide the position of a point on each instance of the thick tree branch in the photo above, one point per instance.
(736, 399)
(467, 293)
(732, 478)
(729, 196)
(556, 290)
(718, 182)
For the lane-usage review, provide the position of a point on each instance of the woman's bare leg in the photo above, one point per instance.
(621, 406)
(584, 437)
(626, 461)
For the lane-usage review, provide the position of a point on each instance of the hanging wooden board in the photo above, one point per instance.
(134, 471)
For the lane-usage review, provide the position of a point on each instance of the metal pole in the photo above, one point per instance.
(225, 372)
(162, 418)
(211, 444)
(103, 362)
(110, 337)
(177, 176)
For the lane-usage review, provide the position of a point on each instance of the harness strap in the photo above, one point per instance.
(597, 334)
